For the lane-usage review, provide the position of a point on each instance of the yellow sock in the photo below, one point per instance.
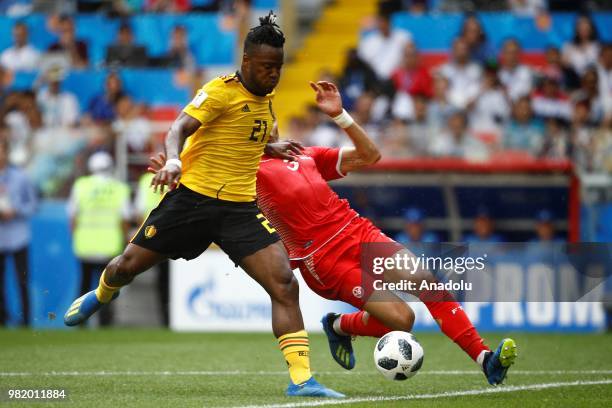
(104, 292)
(296, 351)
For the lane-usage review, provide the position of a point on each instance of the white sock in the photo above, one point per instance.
(336, 326)
(481, 357)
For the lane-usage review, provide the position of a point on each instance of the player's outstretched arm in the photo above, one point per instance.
(364, 153)
(169, 175)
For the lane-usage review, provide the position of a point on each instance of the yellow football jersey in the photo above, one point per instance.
(221, 158)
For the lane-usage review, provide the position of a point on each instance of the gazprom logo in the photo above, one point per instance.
(207, 302)
(197, 302)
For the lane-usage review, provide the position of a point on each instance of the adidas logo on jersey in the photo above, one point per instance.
(245, 108)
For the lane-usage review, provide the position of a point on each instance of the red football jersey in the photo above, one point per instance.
(298, 202)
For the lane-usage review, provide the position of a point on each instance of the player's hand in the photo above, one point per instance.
(165, 175)
(286, 150)
(327, 97)
(156, 163)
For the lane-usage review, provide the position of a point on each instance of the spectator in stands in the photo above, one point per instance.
(602, 150)
(491, 110)
(556, 68)
(484, 228)
(16, 8)
(475, 37)
(524, 132)
(99, 227)
(357, 78)
(604, 74)
(75, 50)
(21, 56)
(102, 106)
(320, 131)
(414, 228)
(411, 77)
(420, 129)
(589, 91)
(20, 114)
(179, 55)
(394, 141)
(549, 101)
(125, 52)
(583, 50)
(369, 113)
(556, 141)
(458, 141)
(131, 125)
(515, 77)
(382, 49)
(17, 204)
(544, 228)
(440, 107)
(463, 75)
(59, 108)
(582, 137)
(527, 7)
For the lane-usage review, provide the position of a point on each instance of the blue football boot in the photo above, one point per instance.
(82, 308)
(311, 388)
(340, 346)
(496, 363)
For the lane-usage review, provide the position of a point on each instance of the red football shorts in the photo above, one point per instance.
(334, 271)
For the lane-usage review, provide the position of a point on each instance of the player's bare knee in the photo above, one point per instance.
(286, 290)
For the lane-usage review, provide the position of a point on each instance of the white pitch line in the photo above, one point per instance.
(448, 394)
(283, 373)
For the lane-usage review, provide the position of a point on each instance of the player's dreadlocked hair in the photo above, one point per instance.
(267, 32)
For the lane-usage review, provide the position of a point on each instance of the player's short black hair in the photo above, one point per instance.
(267, 32)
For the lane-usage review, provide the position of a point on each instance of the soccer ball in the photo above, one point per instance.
(398, 355)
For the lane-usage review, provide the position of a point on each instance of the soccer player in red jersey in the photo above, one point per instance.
(324, 235)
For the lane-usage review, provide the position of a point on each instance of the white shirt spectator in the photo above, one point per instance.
(580, 58)
(402, 106)
(136, 132)
(24, 58)
(464, 82)
(527, 7)
(325, 135)
(467, 147)
(384, 54)
(605, 88)
(491, 110)
(58, 110)
(517, 81)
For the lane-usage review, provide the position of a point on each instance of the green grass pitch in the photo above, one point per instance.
(157, 368)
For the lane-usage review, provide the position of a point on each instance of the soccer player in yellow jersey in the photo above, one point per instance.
(213, 150)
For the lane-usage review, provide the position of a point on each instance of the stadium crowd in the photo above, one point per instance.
(483, 103)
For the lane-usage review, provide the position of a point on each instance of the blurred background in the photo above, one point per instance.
(494, 119)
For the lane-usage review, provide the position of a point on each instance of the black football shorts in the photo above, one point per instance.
(185, 223)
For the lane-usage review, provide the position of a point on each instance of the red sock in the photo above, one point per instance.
(456, 325)
(353, 324)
